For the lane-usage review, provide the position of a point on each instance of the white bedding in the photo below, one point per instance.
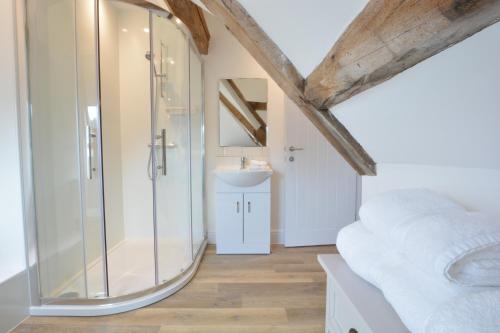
(424, 304)
(385, 212)
(437, 234)
(460, 247)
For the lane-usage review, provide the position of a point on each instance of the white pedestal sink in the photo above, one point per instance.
(235, 176)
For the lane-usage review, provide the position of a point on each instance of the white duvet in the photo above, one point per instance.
(425, 304)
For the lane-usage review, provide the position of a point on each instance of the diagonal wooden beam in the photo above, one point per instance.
(388, 37)
(254, 134)
(193, 18)
(250, 108)
(284, 73)
(258, 106)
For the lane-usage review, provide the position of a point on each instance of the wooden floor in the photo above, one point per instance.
(281, 292)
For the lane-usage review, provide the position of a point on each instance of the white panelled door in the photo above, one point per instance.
(320, 186)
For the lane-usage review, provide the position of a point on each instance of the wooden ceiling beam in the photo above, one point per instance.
(192, 16)
(388, 37)
(283, 72)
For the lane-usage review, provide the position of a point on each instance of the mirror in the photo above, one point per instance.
(243, 112)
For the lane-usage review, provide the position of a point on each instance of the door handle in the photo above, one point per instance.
(292, 148)
(90, 135)
(164, 152)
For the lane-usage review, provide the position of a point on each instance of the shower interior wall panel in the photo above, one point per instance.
(126, 127)
(135, 116)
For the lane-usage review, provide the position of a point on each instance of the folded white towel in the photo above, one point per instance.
(384, 212)
(461, 247)
(257, 165)
(257, 162)
(438, 235)
(425, 304)
(477, 312)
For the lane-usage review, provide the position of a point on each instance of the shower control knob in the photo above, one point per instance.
(291, 158)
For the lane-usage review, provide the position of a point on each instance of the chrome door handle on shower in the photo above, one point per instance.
(292, 148)
(163, 138)
(89, 136)
(163, 145)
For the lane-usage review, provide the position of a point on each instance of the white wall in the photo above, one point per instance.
(12, 256)
(13, 280)
(444, 111)
(436, 124)
(476, 189)
(228, 59)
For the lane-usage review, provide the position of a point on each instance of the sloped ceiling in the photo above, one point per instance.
(304, 30)
(444, 111)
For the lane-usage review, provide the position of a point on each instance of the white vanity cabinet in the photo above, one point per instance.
(243, 218)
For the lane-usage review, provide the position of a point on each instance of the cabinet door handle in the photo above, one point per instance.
(237, 207)
(249, 207)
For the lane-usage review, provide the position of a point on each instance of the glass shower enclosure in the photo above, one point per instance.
(117, 141)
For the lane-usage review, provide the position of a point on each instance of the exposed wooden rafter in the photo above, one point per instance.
(284, 73)
(193, 18)
(388, 37)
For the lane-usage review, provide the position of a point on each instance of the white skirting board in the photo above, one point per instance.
(276, 237)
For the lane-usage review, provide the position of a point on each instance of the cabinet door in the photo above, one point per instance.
(256, 222)
(229, 213)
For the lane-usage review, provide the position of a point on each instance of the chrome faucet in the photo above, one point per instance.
(243, 162)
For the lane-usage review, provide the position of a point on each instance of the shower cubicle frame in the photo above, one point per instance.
(107, 305)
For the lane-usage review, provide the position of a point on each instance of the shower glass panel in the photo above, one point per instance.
(171, 141)
(90, 147)
(65, 145)
(116, 121)
(126, 126)
(196, 125)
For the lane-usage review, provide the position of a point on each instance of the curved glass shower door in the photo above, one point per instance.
(197, 145)
(172, 155)
(65, 135)
(116, 123)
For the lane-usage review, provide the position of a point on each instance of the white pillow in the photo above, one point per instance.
(386, 211)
